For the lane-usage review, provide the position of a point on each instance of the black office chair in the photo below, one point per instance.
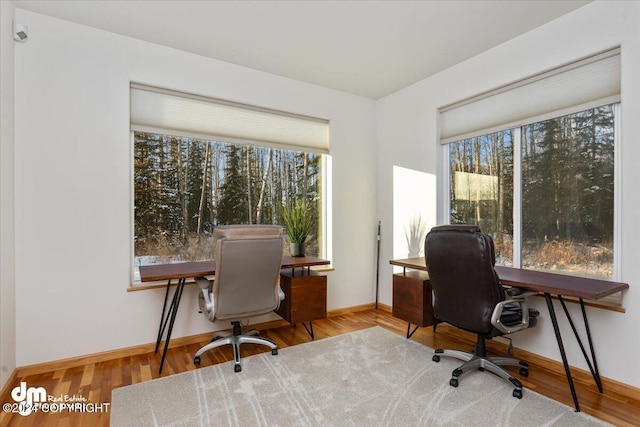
(469, 296)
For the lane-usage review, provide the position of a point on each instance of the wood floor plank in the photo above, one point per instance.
(95, 381)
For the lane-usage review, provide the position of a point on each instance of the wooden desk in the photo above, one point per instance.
(561, 286)
(185, 270)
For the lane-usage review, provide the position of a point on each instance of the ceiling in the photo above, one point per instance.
(368, 48)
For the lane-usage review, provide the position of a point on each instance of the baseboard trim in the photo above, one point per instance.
(385, 307)
(5, 392)
(352, 309)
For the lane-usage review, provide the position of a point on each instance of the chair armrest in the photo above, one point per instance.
(518, 297)
(281, 296)
(209, 307)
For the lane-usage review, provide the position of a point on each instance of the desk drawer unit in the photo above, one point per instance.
(412, 299)
(305, 295)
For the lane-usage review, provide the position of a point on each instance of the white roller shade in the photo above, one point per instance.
(163, 111)
(575, 87)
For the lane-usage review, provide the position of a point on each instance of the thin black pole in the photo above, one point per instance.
(378, 264)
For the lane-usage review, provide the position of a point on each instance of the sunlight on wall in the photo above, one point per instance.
(414, 211)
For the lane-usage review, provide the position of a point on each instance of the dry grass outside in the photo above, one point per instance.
(198, 248)
(504, 252)
(569, 256)
(560, 256)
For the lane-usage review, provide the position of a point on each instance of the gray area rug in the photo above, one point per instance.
(371, 377)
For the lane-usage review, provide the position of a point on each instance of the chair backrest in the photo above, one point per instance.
(460, 261)
(248, 261)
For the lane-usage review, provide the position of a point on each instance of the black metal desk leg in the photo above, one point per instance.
(163, 322)
(172, 311)
(409, 331)
(309, 329)
(592, 367)
(567, 369)
(596, 375)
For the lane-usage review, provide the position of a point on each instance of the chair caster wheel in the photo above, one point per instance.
(274, 351)
(435, 358)
(196, 360)
(237, 368)
(517, 394)
(524, 372)
(453, 382)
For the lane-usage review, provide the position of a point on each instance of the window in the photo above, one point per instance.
(199, 162)
(562, 192)
(481, 188)
(567, 193)
(184, 187)
(533, 163)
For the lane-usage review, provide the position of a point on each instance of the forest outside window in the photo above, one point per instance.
(544, 191)
(184, 187)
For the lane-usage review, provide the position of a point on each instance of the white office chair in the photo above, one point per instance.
(248, 261)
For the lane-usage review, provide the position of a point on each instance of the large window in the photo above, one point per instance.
(544, 191)
(184, 187)
(533, 164)
(200, 162)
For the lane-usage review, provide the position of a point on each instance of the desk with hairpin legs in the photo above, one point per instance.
(304, 294)
(560, 286)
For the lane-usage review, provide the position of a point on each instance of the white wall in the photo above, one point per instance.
(7, 282)
(73, 184)
(407, 137)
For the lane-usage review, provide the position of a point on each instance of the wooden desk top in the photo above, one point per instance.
(539, 281)
(414, 263)
(184, 270)
(559, 284)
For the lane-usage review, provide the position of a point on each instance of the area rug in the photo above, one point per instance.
(372, 377)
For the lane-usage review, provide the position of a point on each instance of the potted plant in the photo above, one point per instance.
(297, 221)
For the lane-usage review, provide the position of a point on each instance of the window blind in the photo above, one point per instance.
(164, 111)
(578, 86)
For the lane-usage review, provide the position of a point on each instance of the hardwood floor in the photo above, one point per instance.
(96, 381)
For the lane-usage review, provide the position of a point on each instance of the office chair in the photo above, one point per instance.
(469, 296)
(248, 261)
